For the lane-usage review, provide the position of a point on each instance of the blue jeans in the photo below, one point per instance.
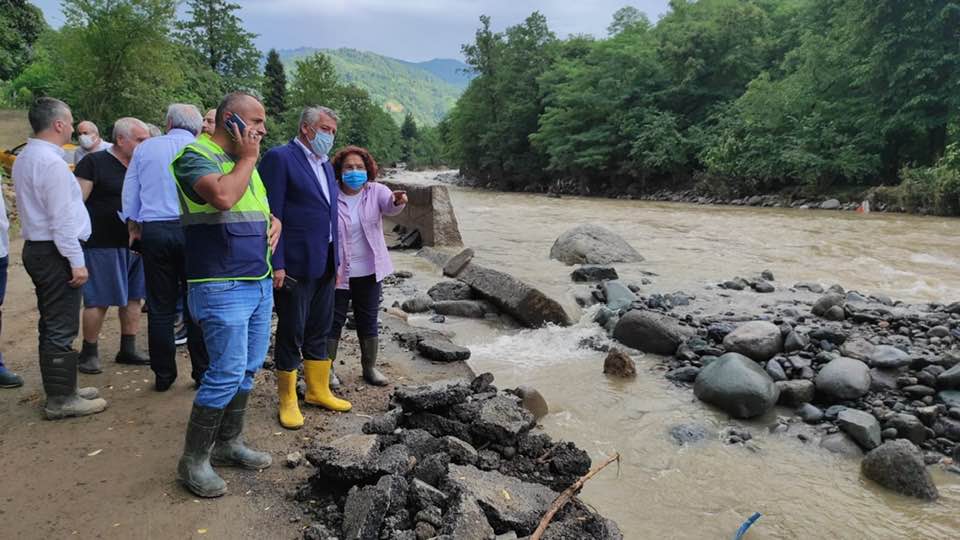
(234, 317)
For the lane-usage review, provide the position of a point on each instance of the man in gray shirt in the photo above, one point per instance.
(88, 134)
(54, 221)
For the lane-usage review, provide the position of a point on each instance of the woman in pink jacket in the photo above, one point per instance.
(364, 260)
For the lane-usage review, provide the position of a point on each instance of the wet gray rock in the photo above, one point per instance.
(775, 370)
(951, 398)
(759, 340)
(858, 348)
(442, 350)
(898, 465)
(809, 413)
(450, 290)
(521, 512)
(883, 380)
(815, 288)
(836, 313)
(432, 396)
(796, 392)
(948, 428)
(532, 400)
(618, 295)
(502, 420)
(458, 262)
(841, 443)
(825, 303)
(737, 385)
(830, 204)
(465, 520)
(594, 272)
(651, 332)
(619, 364)
(689, 433)
(762, 286)
(592, 244)
(686, 374)
(908, 427)
(418, 304)
(795, 341)
(843, 379)
(383, 424)
(468, 309)
(767, 275)
(888, 357)
(528, 305)
(949, 379)
(861, 426)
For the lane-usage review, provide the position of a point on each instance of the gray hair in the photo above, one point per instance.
(184, 116)
(123, 127)
(310, 115)
(154, 130)
(93, 127)
(45, 111)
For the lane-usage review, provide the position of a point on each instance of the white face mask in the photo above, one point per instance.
(86, 141)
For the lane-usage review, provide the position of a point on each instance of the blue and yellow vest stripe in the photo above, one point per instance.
(225, 245)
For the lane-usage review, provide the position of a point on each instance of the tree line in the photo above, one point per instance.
(116, 58)
(728, 97)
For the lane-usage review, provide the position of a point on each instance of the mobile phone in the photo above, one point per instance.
(235, 120)
(136, 246)
(289, 283)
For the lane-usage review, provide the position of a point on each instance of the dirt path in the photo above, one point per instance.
(113, 475)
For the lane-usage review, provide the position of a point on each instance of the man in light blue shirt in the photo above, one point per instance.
(152, 210)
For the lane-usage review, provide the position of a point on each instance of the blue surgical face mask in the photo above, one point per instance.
(355, 179)
(321, 143)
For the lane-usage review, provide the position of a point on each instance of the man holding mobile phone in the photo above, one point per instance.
(230, 235)
(302, 189)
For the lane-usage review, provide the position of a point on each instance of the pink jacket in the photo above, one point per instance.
(376, 201)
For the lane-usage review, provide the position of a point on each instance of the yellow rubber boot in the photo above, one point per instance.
(290, 416)
(317, 374)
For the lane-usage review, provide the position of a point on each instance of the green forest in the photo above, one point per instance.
(116, 58)
(726, 97)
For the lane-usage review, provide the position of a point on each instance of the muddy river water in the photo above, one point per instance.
(704, 491)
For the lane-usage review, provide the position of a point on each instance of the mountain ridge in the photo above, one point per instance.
(428, 90)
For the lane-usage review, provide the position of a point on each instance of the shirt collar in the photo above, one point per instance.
(47, 145)
(309, 152)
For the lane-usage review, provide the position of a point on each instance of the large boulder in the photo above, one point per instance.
(738, 385)
(618, 295)
(843, 379)
(760, 340)
(949, 379)
(898, 465)
(529, 306)
(862, 426)
(651, 332)
(619, 364)
(592, 244)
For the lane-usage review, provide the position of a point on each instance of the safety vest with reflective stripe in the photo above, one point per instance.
(224, 245)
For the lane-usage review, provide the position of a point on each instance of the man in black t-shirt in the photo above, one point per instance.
(116, 272)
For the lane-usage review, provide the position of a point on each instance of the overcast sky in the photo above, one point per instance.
(407, 29)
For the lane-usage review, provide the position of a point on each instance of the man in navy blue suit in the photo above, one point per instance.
(303, 191)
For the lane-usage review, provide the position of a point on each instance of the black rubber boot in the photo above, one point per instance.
(194, 470)
(128, 352)
(369, 348)
(89, 362)
(229, 450)
(332, 345)
(59, 374)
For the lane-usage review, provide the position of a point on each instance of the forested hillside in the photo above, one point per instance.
(426, 90)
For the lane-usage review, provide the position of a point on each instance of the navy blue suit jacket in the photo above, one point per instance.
(307, 217)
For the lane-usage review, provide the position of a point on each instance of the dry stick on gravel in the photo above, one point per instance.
(568, 494)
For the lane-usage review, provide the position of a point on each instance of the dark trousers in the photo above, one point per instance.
(4, 265)
(364, 294)
(304, 316)
(166, 278)
(57, 302)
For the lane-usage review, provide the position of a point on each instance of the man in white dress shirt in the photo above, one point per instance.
(54, 221)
